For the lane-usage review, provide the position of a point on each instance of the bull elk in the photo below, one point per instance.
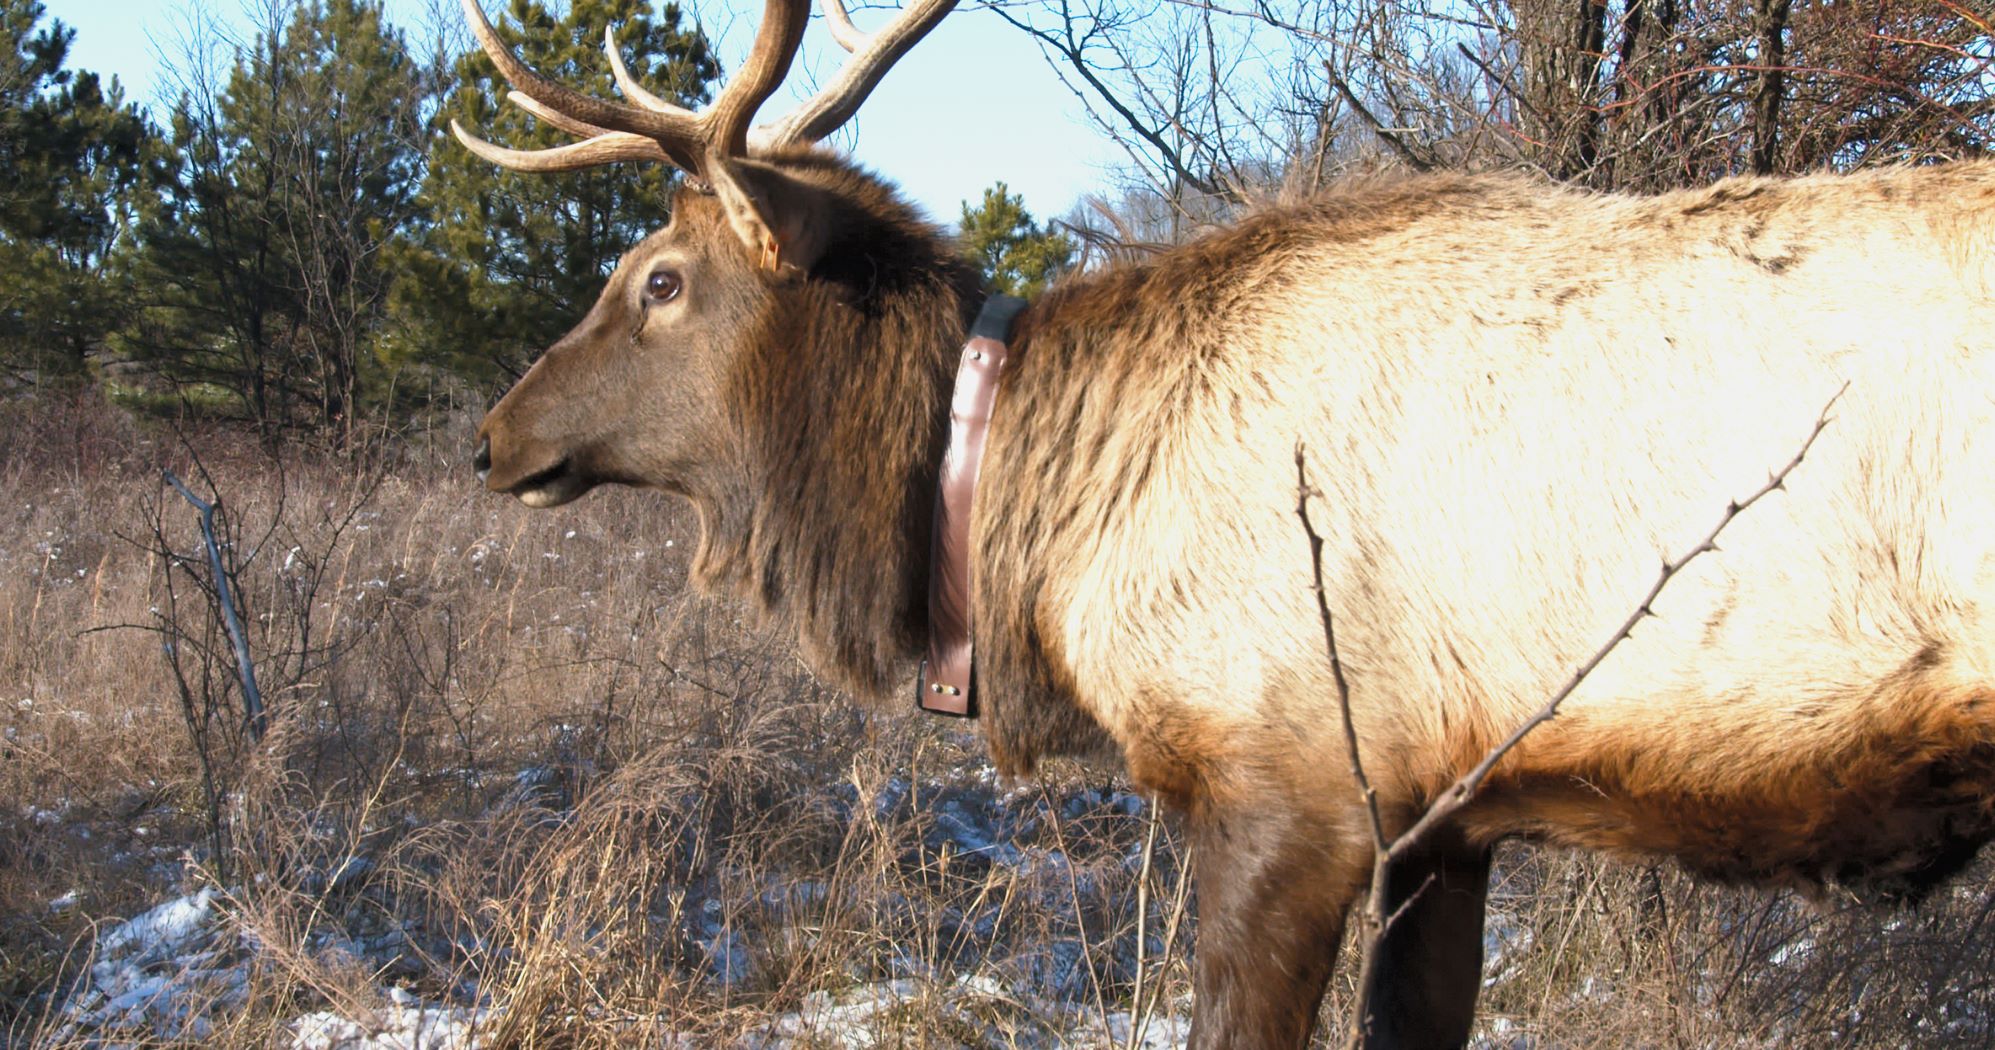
(1515, 396)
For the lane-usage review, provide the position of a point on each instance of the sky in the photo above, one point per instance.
(973, 104)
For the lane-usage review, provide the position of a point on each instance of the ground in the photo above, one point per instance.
(519, 786)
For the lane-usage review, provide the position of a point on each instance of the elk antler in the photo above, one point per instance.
(704, 144)
(653, 129)
(872, 55)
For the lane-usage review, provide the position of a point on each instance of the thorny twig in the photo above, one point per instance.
(1379, 913)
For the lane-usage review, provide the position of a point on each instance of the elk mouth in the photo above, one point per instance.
(552, 487)
(549, 486)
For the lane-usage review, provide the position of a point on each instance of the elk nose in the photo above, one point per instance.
(481, 460)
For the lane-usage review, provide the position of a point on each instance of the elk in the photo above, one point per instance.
(1513, 398)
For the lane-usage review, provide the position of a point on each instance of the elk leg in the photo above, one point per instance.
(1429, 969)
(1272, 894)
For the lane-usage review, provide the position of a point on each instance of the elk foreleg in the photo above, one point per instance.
(1429, 969)
(1273, 889)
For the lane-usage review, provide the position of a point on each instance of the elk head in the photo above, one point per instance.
(634, 393)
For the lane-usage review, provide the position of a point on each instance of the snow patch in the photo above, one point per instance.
(153, 936)
(406, 1023)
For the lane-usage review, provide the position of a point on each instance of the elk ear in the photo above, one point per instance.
(781, 223)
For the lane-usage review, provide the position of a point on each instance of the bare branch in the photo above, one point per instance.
(1073, 49)
(1459, 794)
(1303, 492)
(1389, 136)
(1380, 914)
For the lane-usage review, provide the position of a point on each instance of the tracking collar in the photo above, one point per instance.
(947, 682)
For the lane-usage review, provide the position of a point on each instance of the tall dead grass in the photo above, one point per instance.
(514, 765)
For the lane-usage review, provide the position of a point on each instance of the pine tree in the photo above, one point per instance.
(512, 259)
(1018, 256)
(69, 153)
(278, 198)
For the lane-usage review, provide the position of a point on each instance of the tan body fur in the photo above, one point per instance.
(1514, 401)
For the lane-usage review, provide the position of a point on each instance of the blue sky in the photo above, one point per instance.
(973, 104)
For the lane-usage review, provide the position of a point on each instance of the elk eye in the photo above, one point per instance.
(662, 286)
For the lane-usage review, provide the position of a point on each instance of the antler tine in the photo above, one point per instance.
(682, 160)
(873, 54)
(676, 133)
(776, 43)
(628, 84)
(849, 36)
(652, 128)
(597, 150)
(555, 117)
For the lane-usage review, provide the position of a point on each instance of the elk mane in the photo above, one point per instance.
(824, 524)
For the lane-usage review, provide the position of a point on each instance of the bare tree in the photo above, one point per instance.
(1616, 94)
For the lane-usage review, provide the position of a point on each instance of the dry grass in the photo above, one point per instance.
(513, 765)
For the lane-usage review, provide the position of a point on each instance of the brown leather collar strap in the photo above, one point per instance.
(947, 683)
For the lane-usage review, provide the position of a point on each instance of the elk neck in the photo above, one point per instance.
(842, 411)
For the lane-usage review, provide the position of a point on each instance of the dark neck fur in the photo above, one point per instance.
(825, 521)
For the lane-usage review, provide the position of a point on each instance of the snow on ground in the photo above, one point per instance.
(160, 971)
(863, 1018)
(164, 971)
(407, 1023)
(1157, 1033)
(170, 972)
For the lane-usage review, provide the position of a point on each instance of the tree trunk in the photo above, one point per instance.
(1772, 19)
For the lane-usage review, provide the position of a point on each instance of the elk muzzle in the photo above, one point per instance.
(537, 474)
